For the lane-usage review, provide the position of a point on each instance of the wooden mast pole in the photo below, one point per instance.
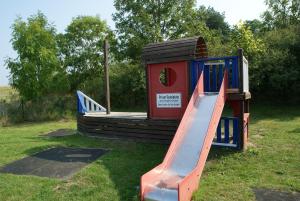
(106, 76)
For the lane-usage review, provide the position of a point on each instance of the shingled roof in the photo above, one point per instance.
(175, 50)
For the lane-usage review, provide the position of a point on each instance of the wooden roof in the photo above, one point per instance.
(175, 50)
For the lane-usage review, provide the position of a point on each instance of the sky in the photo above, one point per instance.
(61, 12)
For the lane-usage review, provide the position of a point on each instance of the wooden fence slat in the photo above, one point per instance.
(226, 130)
(206, 78)
(235, 130)
(214, 78)
(219, 132)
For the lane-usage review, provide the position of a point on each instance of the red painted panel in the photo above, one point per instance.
(178, 78)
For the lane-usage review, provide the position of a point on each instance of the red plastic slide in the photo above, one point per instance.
(177, 177)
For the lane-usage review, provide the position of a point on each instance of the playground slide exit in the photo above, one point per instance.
(177, 177)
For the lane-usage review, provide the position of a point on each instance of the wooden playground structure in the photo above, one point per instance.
(172, 67)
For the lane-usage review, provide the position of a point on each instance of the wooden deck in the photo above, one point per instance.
(127, 125)
(125, 115)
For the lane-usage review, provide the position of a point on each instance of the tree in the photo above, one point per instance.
(36, 70)
(256, 26)
(279, 68)
(281, 13)
(81, 49)
(243, 37)
(214, 20)
(127, 80)
(141, 22)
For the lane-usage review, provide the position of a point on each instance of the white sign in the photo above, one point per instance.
(168, 100)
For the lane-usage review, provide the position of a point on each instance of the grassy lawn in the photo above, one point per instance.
(272, 161)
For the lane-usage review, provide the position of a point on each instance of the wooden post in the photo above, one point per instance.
(147, 90)
(242, 138)
(106, 76)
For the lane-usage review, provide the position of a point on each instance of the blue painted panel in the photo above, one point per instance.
(221, 67)
(219, 132)
(226, 130)
(217, 58)
(215, 88)
(206, 79)
(212, 80)
(227, 66)
(81, 108)
(235, 130)
(234, 73)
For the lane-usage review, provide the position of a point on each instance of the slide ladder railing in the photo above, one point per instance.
(227, 132)
(86, 104)
(213, 70)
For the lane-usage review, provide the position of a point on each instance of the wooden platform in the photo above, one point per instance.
(127, 125)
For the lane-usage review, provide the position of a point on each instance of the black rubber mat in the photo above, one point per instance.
(262, 194)
(60, 162)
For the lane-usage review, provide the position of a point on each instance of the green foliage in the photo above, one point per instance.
(214, 20)
(256, 26)
(36, 71)
(281, 13)
(141, 22)
(242, 37)
(128, 87)
(279, 68)
(81, 49)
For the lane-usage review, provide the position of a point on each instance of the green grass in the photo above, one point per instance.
(272, 161)
(6, 92)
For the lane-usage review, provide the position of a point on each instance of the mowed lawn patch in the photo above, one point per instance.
(271, 161)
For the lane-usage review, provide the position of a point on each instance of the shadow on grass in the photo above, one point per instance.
(126, 162)
(278, 112)
(296, 130)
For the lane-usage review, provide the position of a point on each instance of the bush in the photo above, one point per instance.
(128, 86)
(51, 107)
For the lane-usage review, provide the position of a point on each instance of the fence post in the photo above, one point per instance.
(106, 76)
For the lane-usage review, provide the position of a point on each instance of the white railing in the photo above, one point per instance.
(89, 104)
(245, 75)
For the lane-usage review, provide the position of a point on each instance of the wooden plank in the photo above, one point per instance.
(206, 79)
(172, 42)
(124, 129)
(170, 59)
(219, 132)
(214, 78)
(190, 44)
(160, 129)
(177, 50)
(238, 96)
(142, 125)
(235, 131)
(129, 121)
(110, 137)
(226, 130)
(127, 135)
(171, 54)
